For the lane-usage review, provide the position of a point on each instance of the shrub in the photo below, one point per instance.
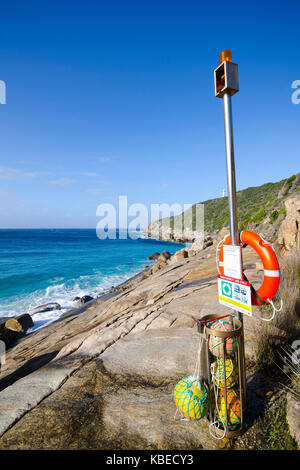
(290, 180)
(282, 211)
(274, 216)
(259, 216)
(285, 327)
(272, 202)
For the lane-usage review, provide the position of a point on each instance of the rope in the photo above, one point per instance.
(275, 310)
(217, 257)
(216, 423)
(197, 369)
(195, 377)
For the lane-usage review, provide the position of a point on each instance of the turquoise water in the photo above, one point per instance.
(40, 266)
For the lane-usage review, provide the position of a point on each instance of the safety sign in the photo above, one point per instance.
(235, 293)
(232, 261)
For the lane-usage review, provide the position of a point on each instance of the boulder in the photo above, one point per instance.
(20, 323)
(289, 186)
(155, 268)
(296, 183)
(46, 307)
(166, 254)
(198, 244)
(154, 256)
(12, 328)
(179, 255)
(85, 299)
(293, 417)
(191, 253)
(163, 264)
(284, 190)
(289, 231)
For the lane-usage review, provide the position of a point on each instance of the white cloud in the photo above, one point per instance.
(111, 198)
(62, 182)
(103, 182)
(94, 192)
(26, 162)
(162, 185)
(9, 173)
(87, 173)
(13, 173)
(36, 174)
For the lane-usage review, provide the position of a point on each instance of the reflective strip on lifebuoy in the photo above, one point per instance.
(266, 253)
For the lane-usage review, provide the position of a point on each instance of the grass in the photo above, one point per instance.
(277, 434)
(270, 431)
(274, 430)
(291, 368)
(285, 327)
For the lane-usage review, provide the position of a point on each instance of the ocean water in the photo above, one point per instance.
(55, 265)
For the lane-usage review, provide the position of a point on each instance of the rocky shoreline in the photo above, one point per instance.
(102, 375)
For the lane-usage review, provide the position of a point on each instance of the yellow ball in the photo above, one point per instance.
(231, 372)
(191, 398)
(233, 407)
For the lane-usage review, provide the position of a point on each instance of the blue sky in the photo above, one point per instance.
(109, 98)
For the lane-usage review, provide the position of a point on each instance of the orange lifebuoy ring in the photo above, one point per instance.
(266, 253)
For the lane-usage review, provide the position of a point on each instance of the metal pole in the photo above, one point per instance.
(226, 85)
(231, 183)
(230, 168)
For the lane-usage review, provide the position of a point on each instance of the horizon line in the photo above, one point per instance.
(65, 228)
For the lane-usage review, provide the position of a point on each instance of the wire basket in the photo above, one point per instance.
(224, 374)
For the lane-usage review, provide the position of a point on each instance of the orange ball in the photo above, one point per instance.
(233, 407)
(216, 344)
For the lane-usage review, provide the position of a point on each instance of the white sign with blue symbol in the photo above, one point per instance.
(235, 294)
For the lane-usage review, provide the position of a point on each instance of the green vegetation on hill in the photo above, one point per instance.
(256, 205)
(253, 205)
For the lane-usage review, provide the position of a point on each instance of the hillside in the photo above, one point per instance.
(260, 205)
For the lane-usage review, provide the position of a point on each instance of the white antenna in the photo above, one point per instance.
(223, 193)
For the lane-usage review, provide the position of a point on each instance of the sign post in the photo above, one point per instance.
(226, 85)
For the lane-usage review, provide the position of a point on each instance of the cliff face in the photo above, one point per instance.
(185, 227)
(289, 231)
(263, 209)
